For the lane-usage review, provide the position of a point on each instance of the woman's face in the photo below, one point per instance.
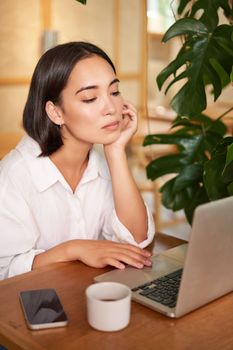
(92, 105)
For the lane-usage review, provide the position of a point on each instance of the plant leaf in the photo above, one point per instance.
(190, 99)
(230, 189)
(82, 1)
(182, 140)
(227, 173)
(188, 175)
(182, 5)
(206, 53)
(185, 26)
(199, 197)
(175, 201)
(172, 67)
(229, 157)
(214, 183)
(209, 16)
(169, 164)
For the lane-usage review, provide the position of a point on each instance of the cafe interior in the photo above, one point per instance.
(131, 32)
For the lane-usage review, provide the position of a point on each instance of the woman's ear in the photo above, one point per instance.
(53, 113)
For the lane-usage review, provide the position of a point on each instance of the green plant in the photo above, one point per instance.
(82, 1)
(202, 166)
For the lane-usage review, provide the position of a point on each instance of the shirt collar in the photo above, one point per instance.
(45, 173)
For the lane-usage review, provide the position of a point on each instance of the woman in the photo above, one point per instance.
(59, 200)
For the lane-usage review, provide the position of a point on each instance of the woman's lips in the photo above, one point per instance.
(111, 126)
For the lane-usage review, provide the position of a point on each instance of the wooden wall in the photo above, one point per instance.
(118, 26)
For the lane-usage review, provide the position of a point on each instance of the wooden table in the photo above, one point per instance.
(209, 328)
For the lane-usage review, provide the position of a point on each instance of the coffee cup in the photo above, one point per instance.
(108, 306)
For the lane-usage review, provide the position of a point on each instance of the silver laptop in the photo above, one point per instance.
(189, 276)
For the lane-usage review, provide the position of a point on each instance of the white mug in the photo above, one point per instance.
(108, 306)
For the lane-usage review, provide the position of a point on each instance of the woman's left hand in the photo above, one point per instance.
(128, 125)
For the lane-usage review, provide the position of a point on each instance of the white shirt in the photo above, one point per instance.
(38, 209)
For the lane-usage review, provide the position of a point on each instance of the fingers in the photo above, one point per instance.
(128, 106)
(102, 253)
(131, 255)
(115, 263)
(129, 110)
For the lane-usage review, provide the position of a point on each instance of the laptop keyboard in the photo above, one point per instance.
(163, 290)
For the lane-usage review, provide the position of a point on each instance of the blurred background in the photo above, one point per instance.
(130, 31)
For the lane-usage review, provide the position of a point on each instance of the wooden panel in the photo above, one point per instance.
(130, 90)
(93, 22)
(12, 100)
(130, 30)
(20, 37)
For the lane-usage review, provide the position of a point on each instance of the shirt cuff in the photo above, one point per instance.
(22, 263)
(123, 235)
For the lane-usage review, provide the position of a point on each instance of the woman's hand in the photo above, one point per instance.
(102, 253)
(128, 127)
(95, 254)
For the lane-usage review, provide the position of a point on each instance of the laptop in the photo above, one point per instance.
(191, 275)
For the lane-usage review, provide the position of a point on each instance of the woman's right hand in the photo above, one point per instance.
(102, 253)
(95, 253)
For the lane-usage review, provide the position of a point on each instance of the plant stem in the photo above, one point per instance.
(224, 113)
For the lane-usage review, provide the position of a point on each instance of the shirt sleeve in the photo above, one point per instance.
(18, 232)
(114, 230)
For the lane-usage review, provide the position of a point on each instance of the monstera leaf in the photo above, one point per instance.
(201, 166)
(82, 1)
(218, 171)
(205, 57)
(209, 10)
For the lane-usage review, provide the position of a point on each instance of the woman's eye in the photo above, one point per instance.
(116, 93)
(89, 100)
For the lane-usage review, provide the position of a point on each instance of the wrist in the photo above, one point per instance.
(116, 151)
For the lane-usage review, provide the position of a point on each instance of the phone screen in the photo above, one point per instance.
(43, 309)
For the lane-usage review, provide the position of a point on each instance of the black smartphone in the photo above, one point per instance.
(42, 309)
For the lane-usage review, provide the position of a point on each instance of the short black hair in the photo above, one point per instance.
(49, 79)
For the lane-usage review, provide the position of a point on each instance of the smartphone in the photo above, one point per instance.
(42, 309)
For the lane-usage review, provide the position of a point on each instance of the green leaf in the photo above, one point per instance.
(204, 56)
(210, 141)
(185, 26)
(190, 99)
(82, 1)
(181, 59)
(182, 5)
(199, 197)
(215, 80)
(209, 16)
(229, 157)
(165, 165)
(224, 77)
(175, 201)
(209, 7)
(222, 35)
(188, 175)
(230, 189)
(200, 122)
(184, 141)
(214, 183)
(228, 9)
(227, 173)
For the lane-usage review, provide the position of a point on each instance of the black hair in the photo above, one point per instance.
(49, 79)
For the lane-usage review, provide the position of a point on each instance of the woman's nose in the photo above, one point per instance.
(108, 106)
